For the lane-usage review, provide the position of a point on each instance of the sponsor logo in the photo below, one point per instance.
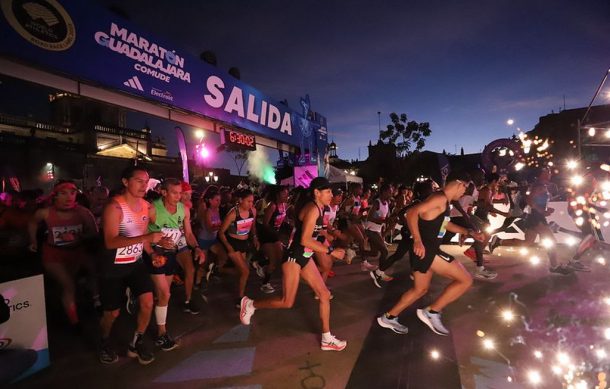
(134, 83)
(165, 95)
(5, 342)
(44, 23)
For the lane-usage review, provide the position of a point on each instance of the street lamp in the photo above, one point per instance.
(211, 177)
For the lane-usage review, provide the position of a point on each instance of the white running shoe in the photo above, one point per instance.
(432, 320)
(392, 324)
(333, 344)
(485, 274)
(267, 288)
(259, 269)
(246, 310)
(366, 266)
(349, 256)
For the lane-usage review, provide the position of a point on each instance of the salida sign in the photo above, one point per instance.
(89, 44)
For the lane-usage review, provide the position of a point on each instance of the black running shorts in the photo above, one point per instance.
(422, 265)
(112, 289)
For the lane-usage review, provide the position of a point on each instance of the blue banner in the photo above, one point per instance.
(87, 43)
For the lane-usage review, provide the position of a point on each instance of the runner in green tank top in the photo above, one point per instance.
(170, 218)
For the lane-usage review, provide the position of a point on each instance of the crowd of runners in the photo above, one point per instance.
(133, 243)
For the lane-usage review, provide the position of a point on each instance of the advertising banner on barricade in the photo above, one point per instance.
(24, 345)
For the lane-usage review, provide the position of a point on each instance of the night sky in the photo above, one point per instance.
(465, 67)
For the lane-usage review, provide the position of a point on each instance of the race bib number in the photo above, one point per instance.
(181, 242)
(174, 234)
(129, 254)
(443, 230)
(66, 235)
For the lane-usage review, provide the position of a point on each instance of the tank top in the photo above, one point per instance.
(170, 224)
(278, 216)
(58, 227)
(382, 211)
(431, 231)
(296, 248)
(241, 227)
(204, 232)
(329, 216)
(133, 223)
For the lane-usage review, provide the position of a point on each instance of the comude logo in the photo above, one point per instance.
(44, 23)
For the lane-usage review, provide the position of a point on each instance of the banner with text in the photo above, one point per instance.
(88, 43)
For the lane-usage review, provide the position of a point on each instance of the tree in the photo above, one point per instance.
(240, 156)
(411, 133)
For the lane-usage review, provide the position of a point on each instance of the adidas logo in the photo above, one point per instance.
(134, 83)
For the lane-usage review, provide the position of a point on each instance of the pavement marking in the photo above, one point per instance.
(239, 333)
(211, 364)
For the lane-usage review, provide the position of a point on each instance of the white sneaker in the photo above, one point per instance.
(392, 324)
(259, 269)
(432, 320)
(333, 344)
(366, 266)
(267, 288)
(485, 274)
(246, 310)
(349, 256)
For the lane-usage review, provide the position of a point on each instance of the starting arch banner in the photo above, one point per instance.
(84, 42)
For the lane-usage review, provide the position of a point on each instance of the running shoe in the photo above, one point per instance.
(259, 269)
(561, 269)
(130, 304)
(246, 310)
(376, 279)
(578, 266)
(107, 354)
(493, 243)
(209, 272)
(432, 320)
(349, 256)
(140, 351)
(485, 274)
(333, 344)
(366, 266)
(190, 307)
(392, 324)
(267, 288)
(165, 342)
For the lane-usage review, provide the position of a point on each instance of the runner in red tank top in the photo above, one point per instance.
(63, 253)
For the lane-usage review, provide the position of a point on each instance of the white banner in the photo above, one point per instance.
(24, 347)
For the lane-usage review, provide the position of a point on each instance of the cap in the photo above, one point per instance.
(186, 187)
(319, 183)
(337, 191)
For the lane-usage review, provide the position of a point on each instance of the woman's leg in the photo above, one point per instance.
(59, 272)
(312, 276)
(290, 281)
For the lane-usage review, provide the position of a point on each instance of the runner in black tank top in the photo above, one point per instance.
(273, 219)
(298, 265)
(237, 230)
(427, 222)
